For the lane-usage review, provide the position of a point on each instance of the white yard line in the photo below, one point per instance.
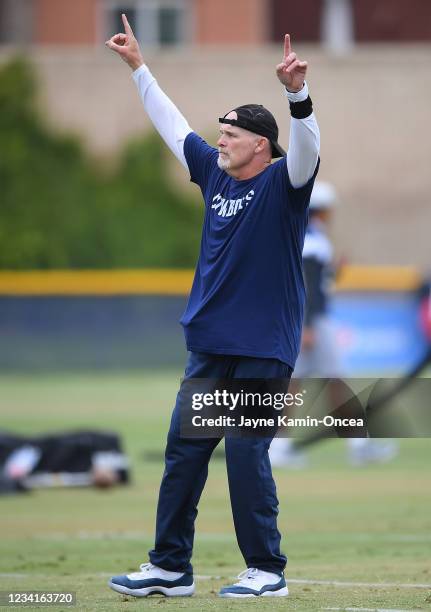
(120, 535)
(15, 575)
(224, 537)
(368, 609)
(374, 585)
(422, 538)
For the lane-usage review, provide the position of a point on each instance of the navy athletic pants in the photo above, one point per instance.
(251, 486)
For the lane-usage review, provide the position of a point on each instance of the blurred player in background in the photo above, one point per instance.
(244, 315)
(320, 356)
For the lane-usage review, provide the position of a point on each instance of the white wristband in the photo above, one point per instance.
(297, 96)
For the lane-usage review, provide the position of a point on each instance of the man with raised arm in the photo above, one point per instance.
(243, 318)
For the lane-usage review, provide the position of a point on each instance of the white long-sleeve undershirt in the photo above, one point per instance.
(165, 116)
(304, 140)
(304, 143)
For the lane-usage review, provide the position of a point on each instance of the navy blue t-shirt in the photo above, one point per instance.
(248, 292)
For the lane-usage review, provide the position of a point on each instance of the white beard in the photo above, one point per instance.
(223, 164)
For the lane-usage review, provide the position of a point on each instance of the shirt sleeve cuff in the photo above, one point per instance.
(143, 76)
(296, 96)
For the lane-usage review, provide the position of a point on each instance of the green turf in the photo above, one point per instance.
(367, 525)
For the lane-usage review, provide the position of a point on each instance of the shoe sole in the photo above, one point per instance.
(180, 591)
(284, 592)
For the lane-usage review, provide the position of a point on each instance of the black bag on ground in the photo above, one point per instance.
(81, 458)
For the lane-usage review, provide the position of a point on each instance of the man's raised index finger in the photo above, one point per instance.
(126, 24)
(287, 48)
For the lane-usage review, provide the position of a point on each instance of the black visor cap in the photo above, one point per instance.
(257, 119)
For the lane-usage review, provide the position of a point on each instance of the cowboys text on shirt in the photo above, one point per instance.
(227, 207)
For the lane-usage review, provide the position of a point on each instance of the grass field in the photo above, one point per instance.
(366, 530)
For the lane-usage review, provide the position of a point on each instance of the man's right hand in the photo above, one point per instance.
(126, 46)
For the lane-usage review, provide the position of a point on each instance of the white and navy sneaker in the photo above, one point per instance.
(256, 583)
(152, 579)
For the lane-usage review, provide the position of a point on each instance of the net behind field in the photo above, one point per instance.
(117, 332)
